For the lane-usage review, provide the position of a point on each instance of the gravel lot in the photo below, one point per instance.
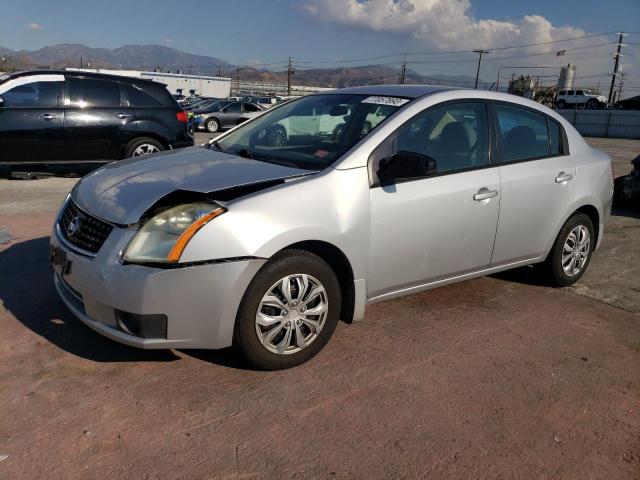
(499, 377)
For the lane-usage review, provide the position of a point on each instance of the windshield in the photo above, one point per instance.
(311, 132)
(587, 92)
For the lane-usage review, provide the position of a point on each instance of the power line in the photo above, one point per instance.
(451, 52)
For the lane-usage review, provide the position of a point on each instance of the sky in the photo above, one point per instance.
(318, 32)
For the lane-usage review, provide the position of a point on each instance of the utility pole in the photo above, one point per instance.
(290, 73)
(80, 61)
(237, 79)
(616, 65)
(403, 74)
(622, 74)
(219, 70)
(480, 52)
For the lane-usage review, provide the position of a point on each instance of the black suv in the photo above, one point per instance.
(60, 117)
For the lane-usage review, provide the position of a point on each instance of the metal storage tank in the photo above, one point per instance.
(567, 75)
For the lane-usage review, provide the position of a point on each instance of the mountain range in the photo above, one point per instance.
(149, 57)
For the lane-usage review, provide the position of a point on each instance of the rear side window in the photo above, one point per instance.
(523, 133)
(248, 107)
(233, 108)
(148, 95)
(88, 93)
(562, 92)
(555, 137)
(33, 95)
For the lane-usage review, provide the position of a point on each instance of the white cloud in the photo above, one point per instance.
(167, 40)
(34, 26)
(449, 25)
(443, 24)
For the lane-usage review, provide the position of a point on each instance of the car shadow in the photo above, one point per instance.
(226, 357)
(528, 275)
(28, 293)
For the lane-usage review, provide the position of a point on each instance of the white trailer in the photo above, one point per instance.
(177, 83)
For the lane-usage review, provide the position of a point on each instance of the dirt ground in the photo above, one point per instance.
(499, 377)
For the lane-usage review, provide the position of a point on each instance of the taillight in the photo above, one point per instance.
(182, 116)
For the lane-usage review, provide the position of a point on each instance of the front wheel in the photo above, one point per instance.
(288, 312)
(571, 252)
(562, 104)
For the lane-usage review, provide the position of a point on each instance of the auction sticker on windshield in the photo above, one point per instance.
(395, 101)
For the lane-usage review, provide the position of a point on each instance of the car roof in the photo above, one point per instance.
(409, 91)
(75, 73)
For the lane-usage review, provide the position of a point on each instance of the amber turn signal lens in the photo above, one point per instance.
(183, 240)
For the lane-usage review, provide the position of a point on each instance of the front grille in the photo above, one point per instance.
(82, 230)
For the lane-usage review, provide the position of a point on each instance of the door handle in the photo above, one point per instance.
(485, 194)
(48, 117)
(563, 177)
(123, 115)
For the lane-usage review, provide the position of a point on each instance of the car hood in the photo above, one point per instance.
(121, 192)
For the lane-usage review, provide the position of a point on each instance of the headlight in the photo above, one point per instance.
(163, 238)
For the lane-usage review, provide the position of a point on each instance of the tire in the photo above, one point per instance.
(553, 266)
(252, 340)
(212, 125)
(277, 136)
(142, 146)
(562, 104)
(592, 104)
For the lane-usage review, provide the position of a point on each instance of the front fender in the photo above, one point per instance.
(332, 206)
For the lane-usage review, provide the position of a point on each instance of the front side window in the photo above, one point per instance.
(523, 133)
(32, 95)
(311, 132)
(88, 93)
(456, 136)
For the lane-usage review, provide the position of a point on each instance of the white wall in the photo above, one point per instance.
(604, 123)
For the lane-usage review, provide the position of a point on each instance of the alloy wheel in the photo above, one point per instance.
(145, 149)
(291, 314)
(575, 251)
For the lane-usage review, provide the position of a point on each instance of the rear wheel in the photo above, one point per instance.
(212, 125)
(592, 104)
(288, 312)
(142, 146)
(571, 252)
(562, 104)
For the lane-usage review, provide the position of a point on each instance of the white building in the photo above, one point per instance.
(177, 83)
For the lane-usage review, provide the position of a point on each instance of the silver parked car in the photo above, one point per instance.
(267, 236)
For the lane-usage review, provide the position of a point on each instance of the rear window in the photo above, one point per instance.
(148, 95)
(87, 93)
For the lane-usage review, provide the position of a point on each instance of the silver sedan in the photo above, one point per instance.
(265, 237)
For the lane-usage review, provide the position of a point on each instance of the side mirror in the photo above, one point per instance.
(405, 165)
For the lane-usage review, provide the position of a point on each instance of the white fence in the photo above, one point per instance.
(605, 123)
